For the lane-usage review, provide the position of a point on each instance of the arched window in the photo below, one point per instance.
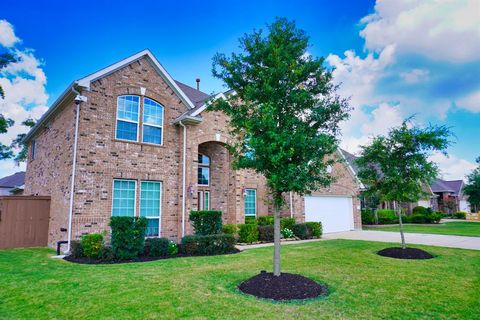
(152, 121)
(128, 108)
(203, 170)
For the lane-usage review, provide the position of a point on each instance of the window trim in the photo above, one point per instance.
(134, 199)
(204, 166)
(244, 207)
(152, 125)
(160, 207)
(33, 148)
(206, 195)
(127, 120)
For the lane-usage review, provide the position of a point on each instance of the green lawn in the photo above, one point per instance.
(470, 229)
(362, 285)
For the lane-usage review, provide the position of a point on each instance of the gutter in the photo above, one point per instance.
(184, 172)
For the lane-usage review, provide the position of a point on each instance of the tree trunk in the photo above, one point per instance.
(276, 239)
(400, 223)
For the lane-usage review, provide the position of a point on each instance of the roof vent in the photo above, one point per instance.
(198, 83)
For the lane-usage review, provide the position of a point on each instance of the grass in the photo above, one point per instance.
(469, 229)
(362, 285)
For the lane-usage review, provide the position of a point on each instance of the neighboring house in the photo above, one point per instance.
(12, 184)
(450, 197)
(146, 146)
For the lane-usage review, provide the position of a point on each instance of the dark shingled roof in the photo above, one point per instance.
(196, 96)
(14, 180)
(454, 186)
(351, 160)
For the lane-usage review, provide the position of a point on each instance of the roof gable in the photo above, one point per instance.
(14, 180)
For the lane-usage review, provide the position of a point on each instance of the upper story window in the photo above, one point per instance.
(203, 170)
(129, 116)
(152, 121)
(128, 108)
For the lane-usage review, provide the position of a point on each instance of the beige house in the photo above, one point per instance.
(130, 140)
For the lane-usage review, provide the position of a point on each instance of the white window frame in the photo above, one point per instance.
(206, 195)
(152, 125)
(128, 120)
(160, 207)
(134, 200)
(245, 208)
(205, 166)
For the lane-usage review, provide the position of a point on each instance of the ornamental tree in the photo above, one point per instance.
(472, 188)
(397, 166)
(284, 113)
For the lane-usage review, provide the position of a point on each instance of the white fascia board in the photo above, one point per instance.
(352, 172)
(86, 81)
(220, 95)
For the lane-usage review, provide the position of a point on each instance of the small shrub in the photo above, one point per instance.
(387, 216)
(265, 233)
(419, 210)
(287, 223)
(287, 233)
(172, 248)
(106, 253)
(229, 228)
(367, 217)
(208, 245)
(92, 244)
(128, 236)
(407, 218)
(250, 220)
(76, 249)
(265, 220)
(301, 230)
(206, 222)
(415, 218)
(157, 247)
(248, 233)
(314, 229)
(460, 215)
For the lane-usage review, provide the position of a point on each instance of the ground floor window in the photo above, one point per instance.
(250, 202)
(203, 202)
(125, 197)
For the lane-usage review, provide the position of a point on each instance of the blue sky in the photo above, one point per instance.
(384, 54)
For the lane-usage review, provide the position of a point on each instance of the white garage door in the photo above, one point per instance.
(335, 213)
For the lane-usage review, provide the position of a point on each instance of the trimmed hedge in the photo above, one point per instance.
(387, 216)
(250, 220)
(229, 229)
(301, 230)
(368, 216)
(91, 244)
(76, 249)
(287, 223)
(128, 236)
(157, 247)
(265, 233)
(208, 245)
(265, 220)
(248, 233)
(460, 215)
(315, 229)
(206, 222)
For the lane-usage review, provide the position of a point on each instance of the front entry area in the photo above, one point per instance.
(334, 212)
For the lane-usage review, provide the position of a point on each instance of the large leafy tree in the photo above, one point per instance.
(18, 144)
(472, 188)
(284, 114)
(5, 123)
(396, 166)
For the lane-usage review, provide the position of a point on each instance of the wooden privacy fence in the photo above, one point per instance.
(24, 221)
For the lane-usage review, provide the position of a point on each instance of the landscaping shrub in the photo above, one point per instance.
(287, 223)
(419, 210)
(157, 247)
(265, 220)
(248, 233)
(387, 216)
(172, 248)
(229, 228)
(368, 216)
(314, 229)
(301, 230)
(206, 222)
(250, 220)
(76, 250)
(106, 253)
(287, 233)
(92, 244)
(265, 233)
(128, 236)
(460, 215)
(208, 245)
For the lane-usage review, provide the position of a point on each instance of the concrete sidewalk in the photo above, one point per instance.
(438, 240)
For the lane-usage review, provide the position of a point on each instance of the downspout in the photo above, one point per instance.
(291, 204)
(78, 100)
(184, 172)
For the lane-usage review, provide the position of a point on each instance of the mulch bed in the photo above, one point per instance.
(285, 287)
(86, 260)
(407, 253)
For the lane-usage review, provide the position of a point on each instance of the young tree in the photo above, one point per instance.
(472, 188)
(284, 114)
(396, 166)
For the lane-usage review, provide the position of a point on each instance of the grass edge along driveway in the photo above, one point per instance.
(453, 228)
(362, 285)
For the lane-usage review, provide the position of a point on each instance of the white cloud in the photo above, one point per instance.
(452, 167)
(24, 84)
(471, 102)
(7, 35)
(415, 75)
(439, 29)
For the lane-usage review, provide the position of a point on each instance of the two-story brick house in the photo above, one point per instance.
(130, 140)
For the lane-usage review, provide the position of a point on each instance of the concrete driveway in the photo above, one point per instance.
(410, 238)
